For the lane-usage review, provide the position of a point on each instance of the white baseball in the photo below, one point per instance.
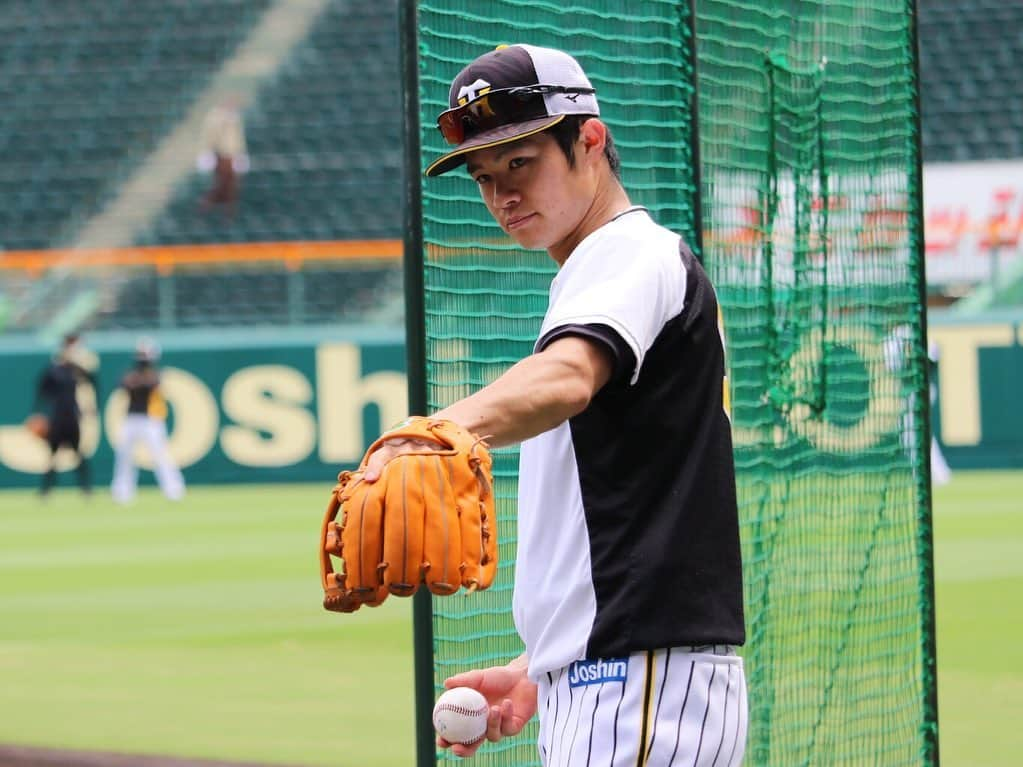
(460, 715)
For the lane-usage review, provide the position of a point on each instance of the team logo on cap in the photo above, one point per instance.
(472, 91)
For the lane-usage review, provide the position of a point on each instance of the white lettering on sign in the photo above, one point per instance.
(884, 406)
(268, 404)
(342, 395)
(276, 416)
(269, 409)
(959, 374)
(885, 399)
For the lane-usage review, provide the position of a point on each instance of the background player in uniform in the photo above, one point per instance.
(56, 393)
(898, 348)
(628, 584)
(146, 422)
(941, 474)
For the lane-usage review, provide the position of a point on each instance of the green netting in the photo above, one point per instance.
(810, 218)
(812, 235)
(485, 298)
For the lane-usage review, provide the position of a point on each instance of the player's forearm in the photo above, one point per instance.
(533, 396)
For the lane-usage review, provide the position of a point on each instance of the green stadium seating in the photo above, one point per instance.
(88, 88)
(324, 137)
(971, 98)
(316, 294)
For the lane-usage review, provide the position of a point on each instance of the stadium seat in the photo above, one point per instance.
(969, 50)
(253, 296)
(313, 132)
(90, 87)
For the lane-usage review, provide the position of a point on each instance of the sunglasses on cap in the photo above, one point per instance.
(493, 109)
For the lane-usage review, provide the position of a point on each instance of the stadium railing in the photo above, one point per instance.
(194, 285)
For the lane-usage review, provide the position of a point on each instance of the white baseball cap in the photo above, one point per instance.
(147, 350)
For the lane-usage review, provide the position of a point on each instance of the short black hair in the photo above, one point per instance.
(566, 133)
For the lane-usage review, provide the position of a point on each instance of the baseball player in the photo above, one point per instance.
(628, 583)
(897, 349)
(941, 474)
(56, 391)
(145, 421)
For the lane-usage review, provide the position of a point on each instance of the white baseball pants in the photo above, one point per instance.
(680, 707)
(153, 433)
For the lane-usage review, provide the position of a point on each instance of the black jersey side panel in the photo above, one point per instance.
(656, 472)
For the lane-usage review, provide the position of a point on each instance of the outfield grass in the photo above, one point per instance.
(978, 530)
(195, 629)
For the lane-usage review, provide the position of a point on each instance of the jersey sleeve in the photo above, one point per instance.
(618, 296)
(622, 355)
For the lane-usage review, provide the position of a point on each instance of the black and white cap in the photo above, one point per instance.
(508, 94)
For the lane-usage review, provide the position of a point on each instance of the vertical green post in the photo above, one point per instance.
(415, 350)
(925, 535)
(689, 24)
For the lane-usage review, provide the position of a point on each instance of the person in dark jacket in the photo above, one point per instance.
(56, 396)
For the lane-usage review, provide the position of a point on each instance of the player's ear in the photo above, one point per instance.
(593, 136)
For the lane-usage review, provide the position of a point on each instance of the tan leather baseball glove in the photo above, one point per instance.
(429, 519)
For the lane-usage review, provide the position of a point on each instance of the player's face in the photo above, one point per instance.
(534, 195)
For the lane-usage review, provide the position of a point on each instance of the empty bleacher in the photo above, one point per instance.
(324, 137)
(88, 87)
(219, 297)
(324, 140)
(971, 98)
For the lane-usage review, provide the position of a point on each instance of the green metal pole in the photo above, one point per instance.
(694, 135)
(925, 536)
(415, 346)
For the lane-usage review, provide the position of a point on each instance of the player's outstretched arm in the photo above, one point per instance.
(534, 395)
(512, 699)
(537, 393)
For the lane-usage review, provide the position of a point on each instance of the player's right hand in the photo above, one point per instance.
(512, 699)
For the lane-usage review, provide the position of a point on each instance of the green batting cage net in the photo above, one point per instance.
(810, 227)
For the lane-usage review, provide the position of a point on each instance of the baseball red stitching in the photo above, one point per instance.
(462, 709)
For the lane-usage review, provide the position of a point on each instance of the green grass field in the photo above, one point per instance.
(978, 531)
(195, 630)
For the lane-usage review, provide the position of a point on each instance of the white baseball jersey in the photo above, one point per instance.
(627, 524)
